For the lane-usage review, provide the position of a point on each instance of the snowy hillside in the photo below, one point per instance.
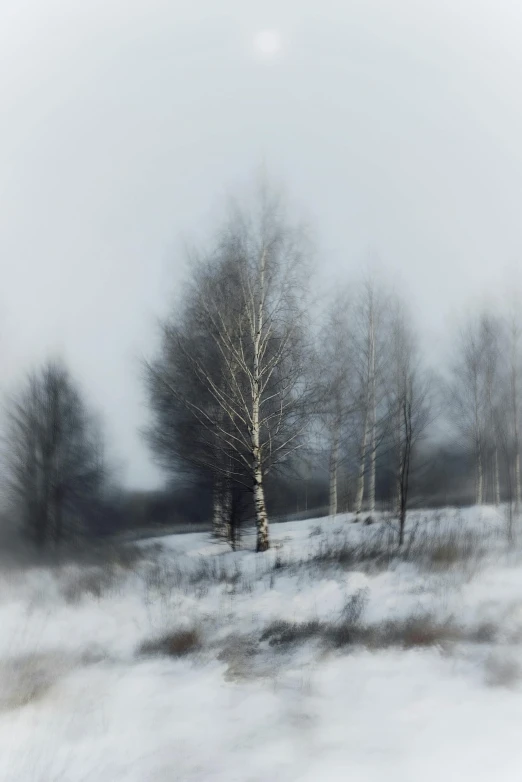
(331, 657)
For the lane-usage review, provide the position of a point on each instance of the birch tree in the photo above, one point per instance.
(334, 369)
(368, 360)
(472, 391)
(514, 403)
(492, 355)
(249, 298)
(186, 439)
(507, 411)
(408, 399)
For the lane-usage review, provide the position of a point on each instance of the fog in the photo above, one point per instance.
(394, 127)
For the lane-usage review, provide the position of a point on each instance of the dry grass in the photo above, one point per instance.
(178, 643)
(374, 554)
(282, 633)
(416, 631)
(91, 582)
(28, 677)
(448, 549)
(239, 653)
(435, 546)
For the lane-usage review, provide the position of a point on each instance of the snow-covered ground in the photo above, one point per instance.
(317, 661)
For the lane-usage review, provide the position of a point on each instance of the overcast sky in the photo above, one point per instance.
(395, 124)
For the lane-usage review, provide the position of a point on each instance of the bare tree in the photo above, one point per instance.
(368, 362)
(408, 404)
(494, 377)
(334, 369)
(514, 403)
(54, 456)
(180, 442)
(473, 396)
(248, 300)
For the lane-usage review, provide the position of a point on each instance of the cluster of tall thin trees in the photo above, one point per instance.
(253, 376)
(484, 404)
(245, 381)
(55, 468)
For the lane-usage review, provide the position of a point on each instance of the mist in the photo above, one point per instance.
(127, 125)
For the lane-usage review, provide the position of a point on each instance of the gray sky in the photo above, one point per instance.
(395, 124)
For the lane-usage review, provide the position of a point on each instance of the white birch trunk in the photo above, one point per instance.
(217, 516)
(514, 393)
(517, 482)
(334, 462)
(362, 467)
(373, 454)
(480, 479)
(263, 542)
(373, 464)
(497, 479)
(398, 480)
(227, 509)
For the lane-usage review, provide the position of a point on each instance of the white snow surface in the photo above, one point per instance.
(79, 702)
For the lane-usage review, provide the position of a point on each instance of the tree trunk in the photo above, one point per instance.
(217, 518)
(373, 463)
(334, 463)
(514, 409)
(516, 444)
(480, 479)
(362, 467)
(497, 479)
(373, 454)
(517, 481)
(227, 509)
(406, 466)
(401, 503)
(398, 502)
(263, 541)
(398, 478)
(402, 523)
(406, 453)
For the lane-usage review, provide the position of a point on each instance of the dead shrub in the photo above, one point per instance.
(416, 631)
(178, 643)
(282, 633)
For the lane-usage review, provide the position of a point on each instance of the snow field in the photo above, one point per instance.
(81, 700)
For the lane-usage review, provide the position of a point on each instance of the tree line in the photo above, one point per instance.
(252, 380)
